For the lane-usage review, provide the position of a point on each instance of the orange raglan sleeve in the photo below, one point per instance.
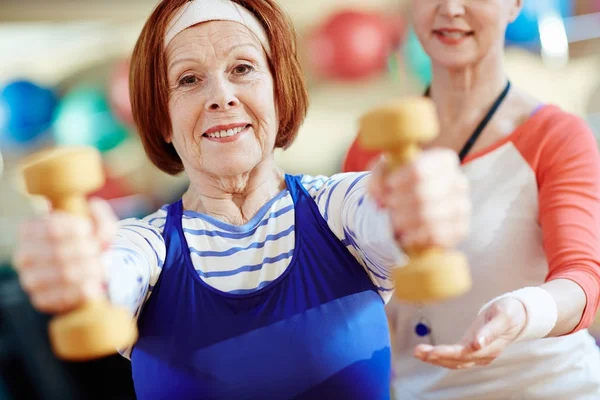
(568, 176)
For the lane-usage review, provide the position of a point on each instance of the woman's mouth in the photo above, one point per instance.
(226, 135)
(452, 36)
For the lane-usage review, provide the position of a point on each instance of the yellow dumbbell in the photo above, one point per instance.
(398, 129)
(96, 329)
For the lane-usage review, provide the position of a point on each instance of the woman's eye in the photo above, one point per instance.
(188, 80)
(243, 69)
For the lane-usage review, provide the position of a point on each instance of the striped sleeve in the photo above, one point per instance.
(135, 259)
(355, 219)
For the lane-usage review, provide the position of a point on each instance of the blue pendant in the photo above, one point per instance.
(422, 330)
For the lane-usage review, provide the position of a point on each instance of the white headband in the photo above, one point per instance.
(196, 11)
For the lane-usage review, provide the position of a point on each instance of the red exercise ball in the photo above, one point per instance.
(113, 188)
(119, 93)
(352, 45)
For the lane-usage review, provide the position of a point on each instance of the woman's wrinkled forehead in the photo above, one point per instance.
(197, 11)
(212, 42)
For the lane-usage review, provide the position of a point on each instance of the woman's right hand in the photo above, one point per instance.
(428, 199)
(59, 257)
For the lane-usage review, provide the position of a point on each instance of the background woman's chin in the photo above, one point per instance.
(453, 62)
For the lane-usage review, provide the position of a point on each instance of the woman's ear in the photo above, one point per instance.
(515, 9)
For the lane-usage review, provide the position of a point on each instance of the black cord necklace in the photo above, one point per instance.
(484, 122)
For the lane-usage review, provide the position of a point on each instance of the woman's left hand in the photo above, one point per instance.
(492, 331)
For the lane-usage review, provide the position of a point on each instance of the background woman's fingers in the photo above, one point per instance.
(447, 351)
(451, 364)
(491, 350)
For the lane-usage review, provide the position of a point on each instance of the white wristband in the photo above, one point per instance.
(540, 309)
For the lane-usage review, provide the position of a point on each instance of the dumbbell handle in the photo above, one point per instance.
(403, 155)
(73, 204)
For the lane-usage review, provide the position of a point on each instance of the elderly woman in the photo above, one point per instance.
(256, 284)
(534, 247)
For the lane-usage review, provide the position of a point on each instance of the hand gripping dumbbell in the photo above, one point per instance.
(398, 129)
(96, 329)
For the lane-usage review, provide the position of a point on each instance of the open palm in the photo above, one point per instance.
(492, 331)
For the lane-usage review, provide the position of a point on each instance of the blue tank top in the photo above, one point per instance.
(319, 331)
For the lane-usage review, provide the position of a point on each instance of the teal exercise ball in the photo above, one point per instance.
(416, 60)
(84, 117)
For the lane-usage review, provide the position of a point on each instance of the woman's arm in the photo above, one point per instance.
(571, 302)
(569, 214)
(375, 214)
(564, 155)
(355, 219)
(134, 260)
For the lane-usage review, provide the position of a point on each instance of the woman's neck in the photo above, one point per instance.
(464, 96)
(235, 199)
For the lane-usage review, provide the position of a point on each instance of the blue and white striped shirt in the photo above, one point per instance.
(241, 259)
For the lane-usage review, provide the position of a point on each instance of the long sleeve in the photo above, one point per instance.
(355, 219)
(134, 260)
(568, 175)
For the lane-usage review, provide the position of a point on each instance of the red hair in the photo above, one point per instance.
(148, 80)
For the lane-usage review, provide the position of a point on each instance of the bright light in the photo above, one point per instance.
(553, 38)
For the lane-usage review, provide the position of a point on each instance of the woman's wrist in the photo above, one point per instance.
(540, 308)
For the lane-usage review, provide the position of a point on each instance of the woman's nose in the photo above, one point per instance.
(452, 8)
(222, 96)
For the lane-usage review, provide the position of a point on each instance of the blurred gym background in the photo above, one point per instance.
(63, 81)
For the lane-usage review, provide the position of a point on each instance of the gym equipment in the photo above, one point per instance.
(351, 45)
(541, 23)
(84, 118)
(118, 93)
(416, 60)
(26, 111)
(64, 176)
(525, 30)
(432, 274)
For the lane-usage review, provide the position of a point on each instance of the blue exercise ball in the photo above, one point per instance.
(524, 30)
(26, 111)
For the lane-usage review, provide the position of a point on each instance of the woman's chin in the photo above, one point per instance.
(453, 61)
(230, 167)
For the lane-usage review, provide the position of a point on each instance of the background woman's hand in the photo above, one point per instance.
(428, 199)
(493, 330)
(59, 257)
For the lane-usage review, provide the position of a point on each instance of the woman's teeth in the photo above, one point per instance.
(454, 35)
(225, 133)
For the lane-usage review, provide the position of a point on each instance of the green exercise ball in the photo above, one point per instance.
(417, 61)
(84, 117)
